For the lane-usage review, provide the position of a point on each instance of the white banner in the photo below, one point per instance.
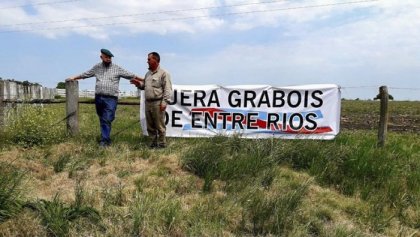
(252, 111)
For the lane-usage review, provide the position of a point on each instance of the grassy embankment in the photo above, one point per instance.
(59, 186)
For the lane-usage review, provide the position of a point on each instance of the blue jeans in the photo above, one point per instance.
(105, 108)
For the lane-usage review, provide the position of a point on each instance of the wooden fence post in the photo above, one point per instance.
(2, 105)
(383, 120)
(72, 107)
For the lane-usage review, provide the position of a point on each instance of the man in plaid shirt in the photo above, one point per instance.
(106, 91)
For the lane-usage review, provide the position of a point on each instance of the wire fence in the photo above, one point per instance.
(370, 92)
(88, 23)
(367, 121)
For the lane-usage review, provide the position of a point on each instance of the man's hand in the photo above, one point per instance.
(136, 82)
(162, 107)
(71, 79)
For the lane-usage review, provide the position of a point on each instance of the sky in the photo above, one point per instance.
(359, 45)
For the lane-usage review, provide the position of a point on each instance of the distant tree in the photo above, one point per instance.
(61, 85)
(378, 97)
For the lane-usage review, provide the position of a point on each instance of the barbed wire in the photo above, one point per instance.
(376, 87)
(193, 17)
(358, 87)
(143, 14)
(38, 4)
(400, 88)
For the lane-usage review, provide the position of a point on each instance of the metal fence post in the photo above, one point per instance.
(72, 107)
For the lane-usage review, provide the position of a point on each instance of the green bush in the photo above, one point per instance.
(30, 126)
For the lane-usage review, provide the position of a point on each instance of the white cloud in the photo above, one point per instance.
(369, 43)
(111, 17)
(168, 16)
(371, 51)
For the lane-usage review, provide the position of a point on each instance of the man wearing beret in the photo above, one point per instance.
(106, 91)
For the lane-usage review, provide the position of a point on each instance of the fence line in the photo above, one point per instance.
(91, 93)
(2, 106)
(16, 91)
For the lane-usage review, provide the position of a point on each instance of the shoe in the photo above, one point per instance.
(104, 144)
(161, 146)
(153, 145)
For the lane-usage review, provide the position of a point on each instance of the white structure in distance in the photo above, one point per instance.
(91, 93)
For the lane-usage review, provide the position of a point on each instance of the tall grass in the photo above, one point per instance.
(248, 170)
(226, 187)
(388, 178)
(227, 159)
(58, 216)
(11, 193)
(205, 160)
(155, 214)
(352, 164)
(272, 212)
(61, 163)
(30, 126)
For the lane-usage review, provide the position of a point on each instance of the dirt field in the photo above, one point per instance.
(403, 116)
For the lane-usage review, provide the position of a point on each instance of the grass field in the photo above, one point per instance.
(54, 185)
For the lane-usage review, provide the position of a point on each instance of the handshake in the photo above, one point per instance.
(137, 81)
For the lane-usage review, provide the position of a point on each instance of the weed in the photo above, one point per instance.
(123, 173)
(205, 160)
(207, 217)
(76, 166)
(378, 216)
(34, 126)
(57, 216)
(139, 212)
(140, 183)
(61, 163)
(170, 214)
(10, 190)
(114, 195)
(272, 213)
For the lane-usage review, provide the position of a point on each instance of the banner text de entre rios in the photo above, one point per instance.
(207, 112)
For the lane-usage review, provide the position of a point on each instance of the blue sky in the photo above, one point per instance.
(359, 45)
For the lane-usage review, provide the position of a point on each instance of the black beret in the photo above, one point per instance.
(107, 52)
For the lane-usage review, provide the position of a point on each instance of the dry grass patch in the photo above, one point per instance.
(24, 224)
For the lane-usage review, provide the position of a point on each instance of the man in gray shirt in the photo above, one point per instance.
(106, 91)
(157, 88)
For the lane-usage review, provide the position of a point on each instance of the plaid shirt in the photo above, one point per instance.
(107, 78)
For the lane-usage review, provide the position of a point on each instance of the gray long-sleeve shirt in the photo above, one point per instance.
(107, 78)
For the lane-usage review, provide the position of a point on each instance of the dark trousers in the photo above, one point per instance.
(105, 108)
